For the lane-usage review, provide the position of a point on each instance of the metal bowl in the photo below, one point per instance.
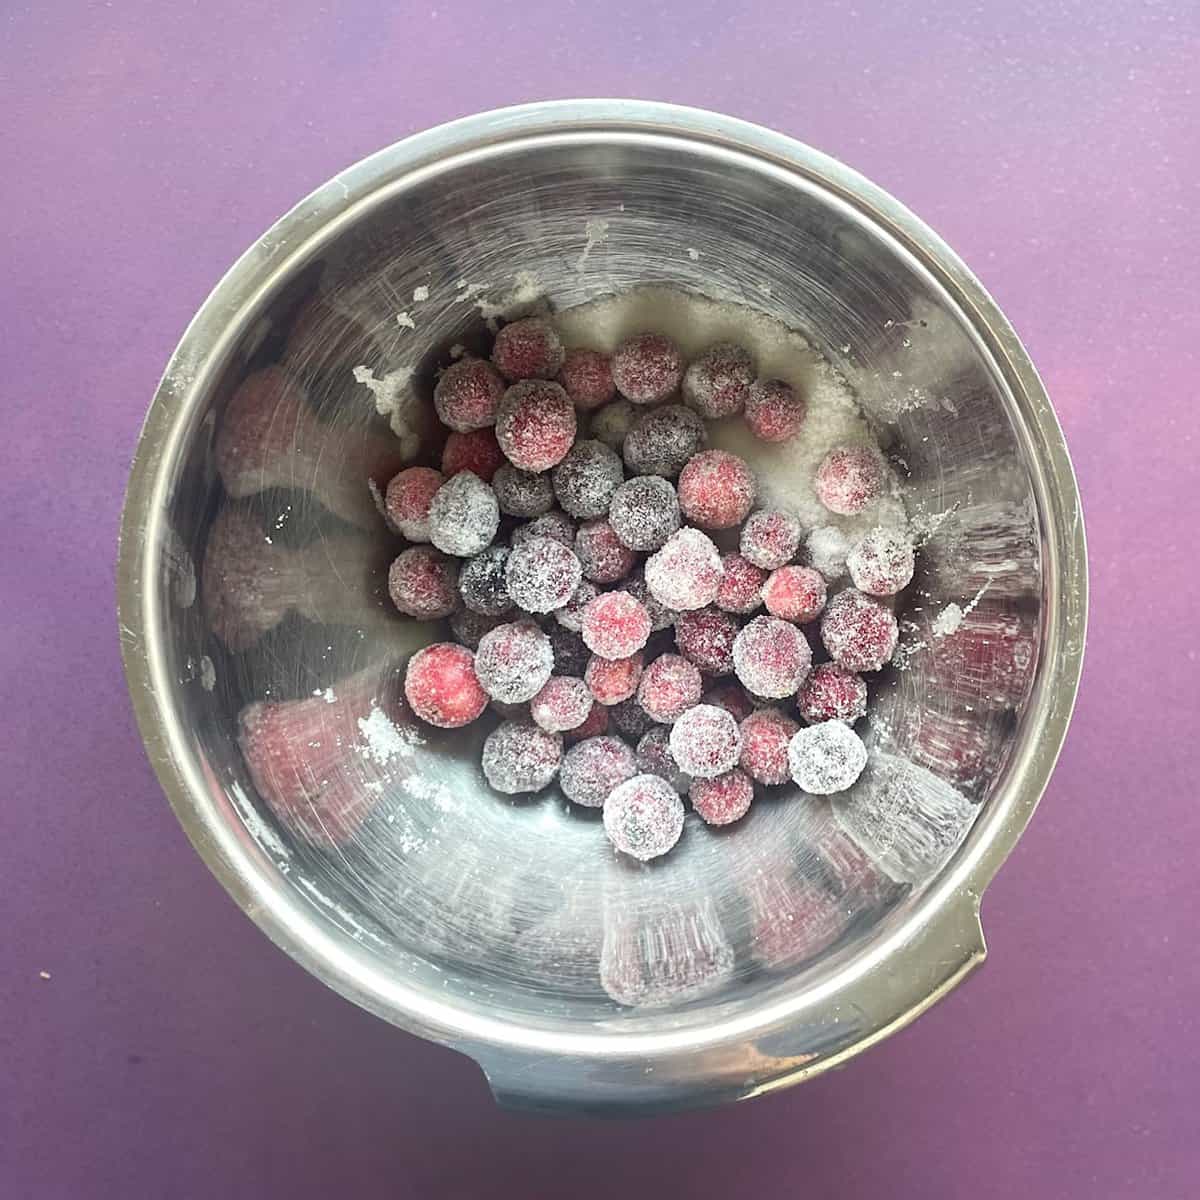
(372, 851)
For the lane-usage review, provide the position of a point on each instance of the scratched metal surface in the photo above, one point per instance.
(168, 999)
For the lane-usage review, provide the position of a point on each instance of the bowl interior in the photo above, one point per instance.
(518, 907)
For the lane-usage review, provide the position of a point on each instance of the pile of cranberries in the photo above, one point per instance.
(643, 630)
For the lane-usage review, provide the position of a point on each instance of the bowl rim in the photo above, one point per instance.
(943, 924)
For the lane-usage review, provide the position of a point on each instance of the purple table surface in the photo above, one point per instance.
(172, 1051)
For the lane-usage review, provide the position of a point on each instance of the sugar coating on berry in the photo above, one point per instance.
(832, 693)
(741, 585)
(570, 654)
(705, 742)
(522, 493)
(766, 735)
(849, 478)
(644, 512)
(554, 525)
(615, 625)
(407, 501)
(520, 757)
(771, 657)
(595, 725)
(586, 479)
(647, 368)
(482, 585)
(705, 637)
(882, 563)
(826, 548)
(528, 349)
(654, 757)
(604, 557)
(593, 768)
(722, 800)
(612, 680)
(477, 452)
(826, 758)
(570, 616)
(669, 686)
(563, 703)
(586, 376)
(661, 441)
(795, 594)
(717, 383)
(514, 661)
(661, 617)
(770, 538)
(424, 584)
(859, 633)
(542, 574)
(467, 395)
(628, 717)
(611, 423)
(643, 817)
(463, 515)
(716, 489)
(470, 626)
(774, 410)
(535, 424)
(686, 573)
(732, 697)
(441, 687)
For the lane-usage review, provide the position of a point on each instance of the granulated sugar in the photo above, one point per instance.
(784, 471)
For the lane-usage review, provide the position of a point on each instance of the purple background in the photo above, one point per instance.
(173, 1051)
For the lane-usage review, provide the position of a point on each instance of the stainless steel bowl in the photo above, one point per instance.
(507, 929)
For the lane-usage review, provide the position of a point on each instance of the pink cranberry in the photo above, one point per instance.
(477, 452)
(407, 501)
(859, 634)
(593, 768)
(717, 383)
(795, 594)
(423, 583)
(615, 625)
(705, 637)
(520, 757)
(535, 425)
(605, 558)
(770, 538)
(586, 377)
(686, 573)
(832, 693)
(716, 489)
(563, 703)
(849, 478)
(722, 800)
(467, 395)
(513, 662)
(542, 575)
(669, 686)
(612, 680)
(882, 563)
(774, 412)
(643, 817)
(647, 368)
(741, 585)
(705, 742)
(441, 686)
(766, 733)
(528, 349)
(771, 657)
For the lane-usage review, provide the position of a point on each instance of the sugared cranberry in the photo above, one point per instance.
(605, 558)
(859, 634)
(644, 512)
(654, 757)
(463, 515)
(661, 441)
(586, 479)
(724, 799)
(528, 349)
(615, 625)
(647, 368)
(643, 817)
(482, 585)
(514, 661)
(423, 583)
(522, 493)
(770, 538)
(441, 686)
(535, 425)
(849, 478)
(716, 489)
(407, 501)
(586, 376)
(542, 575)
(611, 423)
(520, 757)
(563, 703)
(882, 563)
(732, 697)
(705, 742)
(477, 452)
(766, 734)
(669, 686)
(832, 693)
(612, 680)
(686, 573)
(717, 383)
(593, 768)
(741, 585)
(826, 758)
(467, 395)
(795, 594)
(771, 657)
(774, 412)
(705, 637)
